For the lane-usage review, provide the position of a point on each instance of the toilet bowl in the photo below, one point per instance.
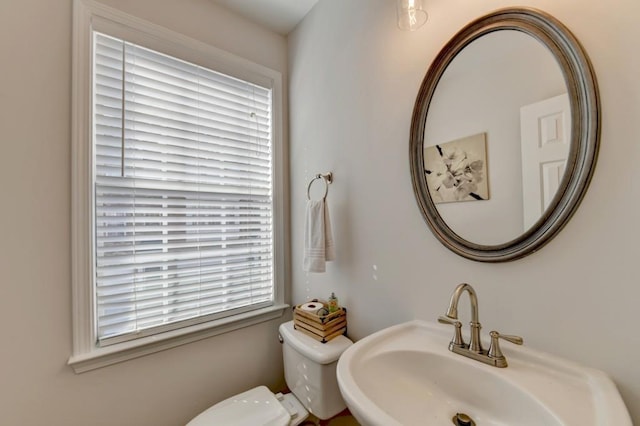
(310, 373)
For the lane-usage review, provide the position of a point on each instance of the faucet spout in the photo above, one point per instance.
(452, 312)
(475, 345)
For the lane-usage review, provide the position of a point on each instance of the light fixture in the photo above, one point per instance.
(411, 14)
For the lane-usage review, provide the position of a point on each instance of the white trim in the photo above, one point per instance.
(90, 15)
(113, 354)
(119, 24)
(81, 216)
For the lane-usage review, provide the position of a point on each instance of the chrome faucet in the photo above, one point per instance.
(474, 350)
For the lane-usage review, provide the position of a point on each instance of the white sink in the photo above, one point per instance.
(405, 375)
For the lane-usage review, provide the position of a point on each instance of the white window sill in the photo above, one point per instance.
(102, 357)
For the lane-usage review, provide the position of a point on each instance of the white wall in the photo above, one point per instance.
(36, 385)
(353, 80)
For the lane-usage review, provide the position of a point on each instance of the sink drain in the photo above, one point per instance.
(461, 419)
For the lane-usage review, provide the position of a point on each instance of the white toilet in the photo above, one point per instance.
(310, 373)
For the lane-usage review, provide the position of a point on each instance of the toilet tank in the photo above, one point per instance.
(310, 370)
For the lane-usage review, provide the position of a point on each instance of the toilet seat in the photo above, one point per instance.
(257, 406)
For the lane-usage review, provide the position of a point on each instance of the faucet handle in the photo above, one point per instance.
(494, 347)
(457, 337)
(516, 340)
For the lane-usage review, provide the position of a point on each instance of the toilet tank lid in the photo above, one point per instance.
(322, 353)
(257, 406)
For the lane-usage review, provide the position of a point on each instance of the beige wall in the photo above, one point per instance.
(353, 79)
(36, 385)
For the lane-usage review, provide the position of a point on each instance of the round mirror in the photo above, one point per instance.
(504, 135)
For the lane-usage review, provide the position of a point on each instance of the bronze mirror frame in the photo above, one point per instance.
(585, 131)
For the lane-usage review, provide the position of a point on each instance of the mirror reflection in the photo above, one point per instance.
(497, 137)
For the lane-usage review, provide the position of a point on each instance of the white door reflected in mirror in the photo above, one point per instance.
(545, 135)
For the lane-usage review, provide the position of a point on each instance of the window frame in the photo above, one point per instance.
(91, 16)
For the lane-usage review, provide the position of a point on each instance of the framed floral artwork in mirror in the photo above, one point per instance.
(457, 170)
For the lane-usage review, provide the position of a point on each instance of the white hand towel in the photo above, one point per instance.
(318, 238)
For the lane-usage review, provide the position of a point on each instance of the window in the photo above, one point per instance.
(179, 217)
(182, 160)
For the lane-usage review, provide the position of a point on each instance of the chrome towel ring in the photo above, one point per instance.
(326, 178)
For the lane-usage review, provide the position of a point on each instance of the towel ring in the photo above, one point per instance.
(327, 179)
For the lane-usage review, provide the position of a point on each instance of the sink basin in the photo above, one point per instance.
(405, 375)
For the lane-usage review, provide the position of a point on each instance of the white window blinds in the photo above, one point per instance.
(182, 190)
